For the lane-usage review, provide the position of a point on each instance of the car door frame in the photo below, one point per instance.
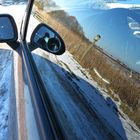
(46, 119)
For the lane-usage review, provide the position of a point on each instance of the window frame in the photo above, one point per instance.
(46, 119)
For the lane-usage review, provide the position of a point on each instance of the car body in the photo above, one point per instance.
(98, 72)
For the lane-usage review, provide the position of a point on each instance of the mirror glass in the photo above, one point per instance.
(7, 29)
(47, 39)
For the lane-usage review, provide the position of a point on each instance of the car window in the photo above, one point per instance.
(95, 85)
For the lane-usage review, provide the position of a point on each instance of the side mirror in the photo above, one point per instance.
(47, 39)
(8, 29)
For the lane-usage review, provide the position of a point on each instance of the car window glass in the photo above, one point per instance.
(95, 85)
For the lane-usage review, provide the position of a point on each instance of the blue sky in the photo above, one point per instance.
(79, 3)
(117, 37)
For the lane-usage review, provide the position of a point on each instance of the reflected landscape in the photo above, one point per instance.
(119, 28)
(103, 40)
(120, 32)
(92, 85)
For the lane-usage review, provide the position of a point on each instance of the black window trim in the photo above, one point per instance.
(47, 122)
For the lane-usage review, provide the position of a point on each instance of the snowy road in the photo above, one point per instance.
(82, 110)
(5, 80)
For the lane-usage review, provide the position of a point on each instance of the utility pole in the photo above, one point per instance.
(95, 39)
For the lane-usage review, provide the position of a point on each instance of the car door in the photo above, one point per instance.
(90, 91)
(47, 123)
(27, 84)
(100, 38)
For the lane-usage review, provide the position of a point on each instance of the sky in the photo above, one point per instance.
(119, 37)
(91, 3)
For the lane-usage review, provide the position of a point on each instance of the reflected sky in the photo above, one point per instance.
(119, 28)
(41, 33)
(6, 30)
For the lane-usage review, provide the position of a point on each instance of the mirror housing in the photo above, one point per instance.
(46, 38)
(8, 29)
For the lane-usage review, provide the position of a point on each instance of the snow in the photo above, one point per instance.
(98, 74)
(5, 74)
(17, 14)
